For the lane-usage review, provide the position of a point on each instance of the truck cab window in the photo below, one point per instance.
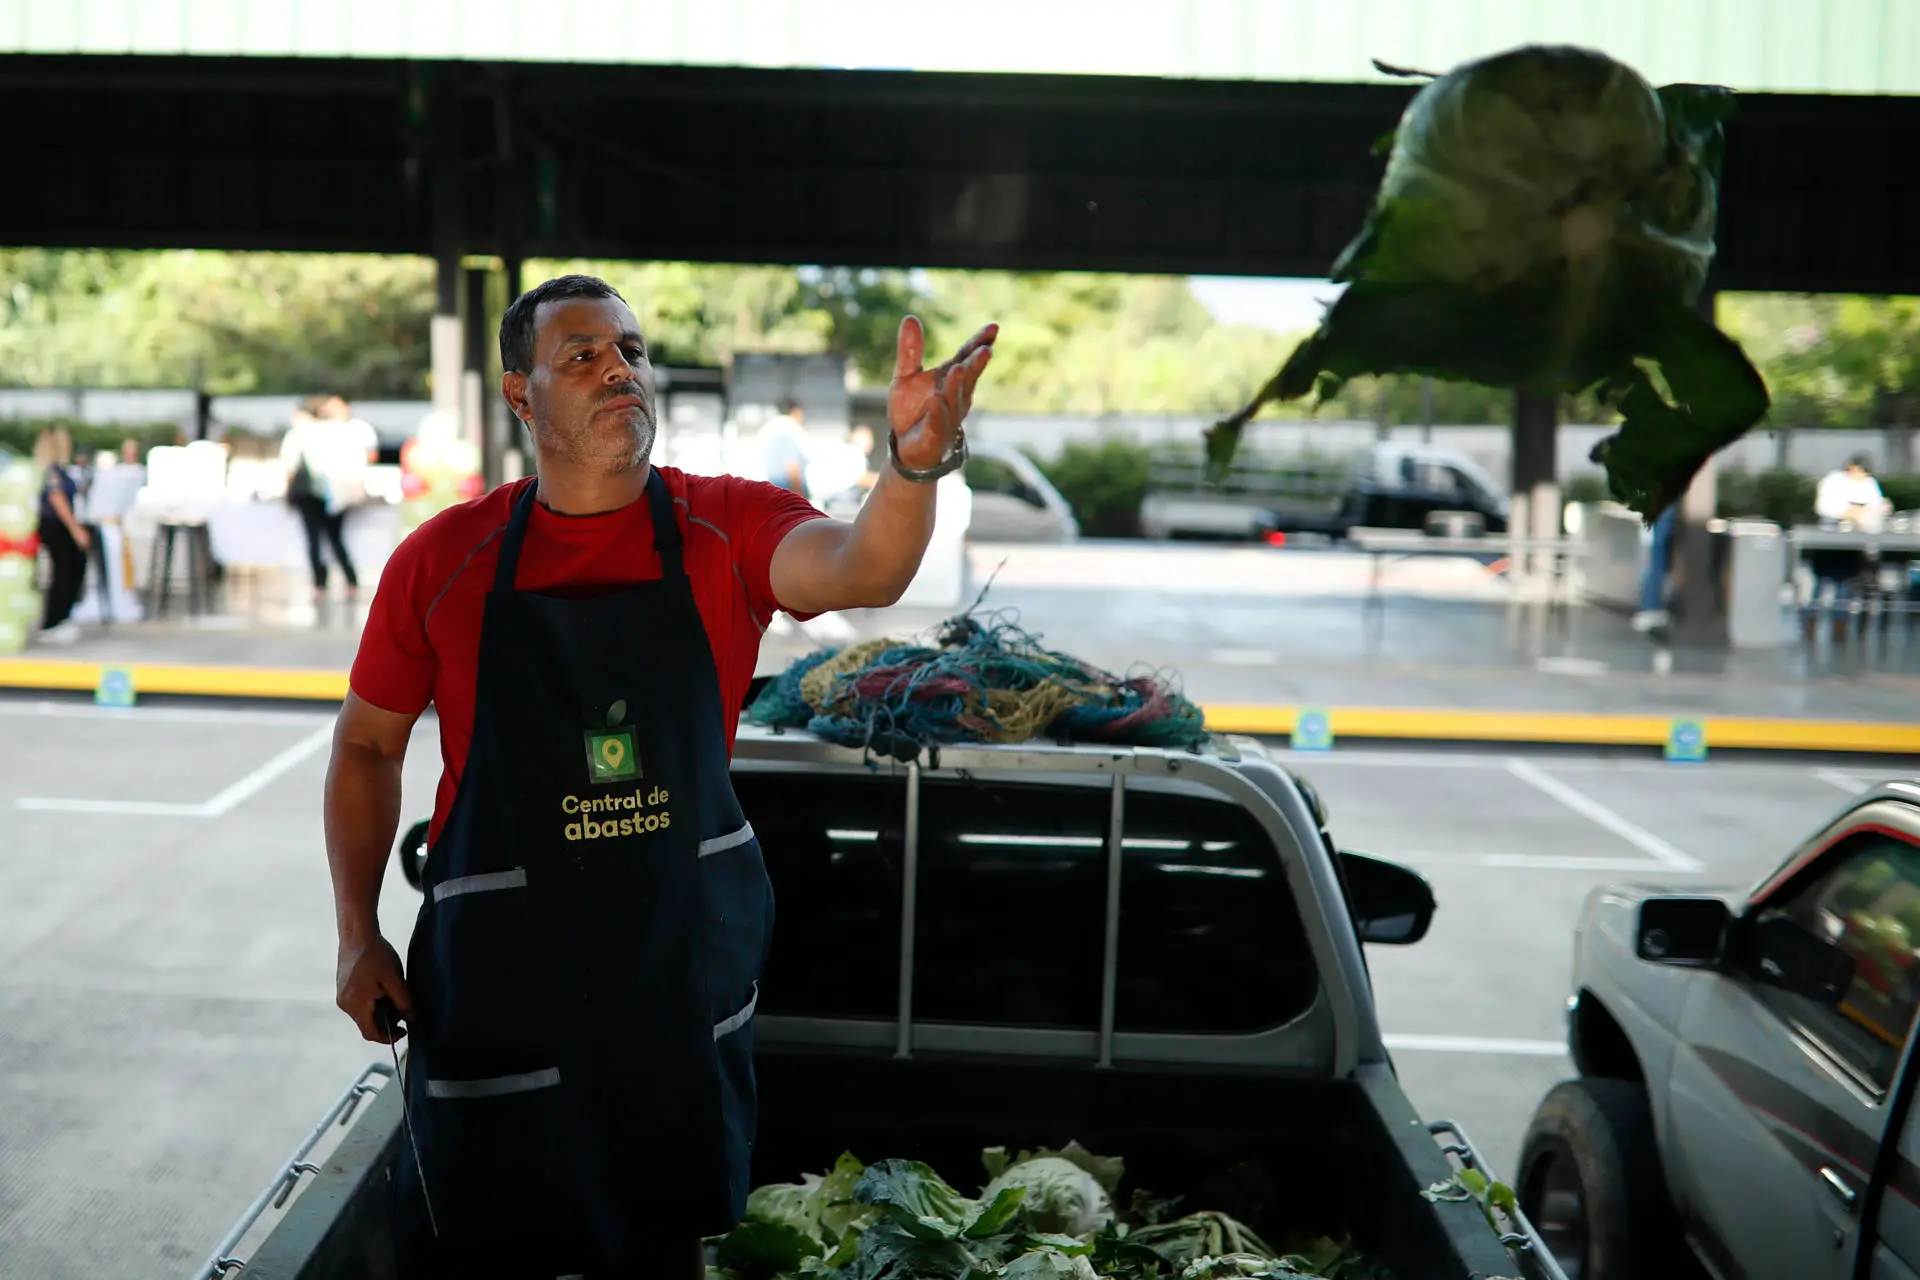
(1865, 901)
(1012, 896)
(832, 846)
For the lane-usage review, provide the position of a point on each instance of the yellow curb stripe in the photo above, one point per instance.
(1382, 723)
(217, 682)
(1565, 727)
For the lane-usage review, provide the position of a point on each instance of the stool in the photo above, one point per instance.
(97, 557)
(201, 570)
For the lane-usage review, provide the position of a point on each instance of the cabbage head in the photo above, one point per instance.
(1546, 222)
(1061, 1196)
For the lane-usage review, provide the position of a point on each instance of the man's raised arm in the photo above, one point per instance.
(824, 565)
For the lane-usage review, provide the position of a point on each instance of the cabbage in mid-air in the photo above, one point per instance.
(1546, 223)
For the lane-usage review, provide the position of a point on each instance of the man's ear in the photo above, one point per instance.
(514, 387)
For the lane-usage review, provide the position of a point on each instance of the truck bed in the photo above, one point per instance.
(1335, 1157)
(1342, 1157)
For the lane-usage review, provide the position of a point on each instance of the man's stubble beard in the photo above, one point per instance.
(600, 453)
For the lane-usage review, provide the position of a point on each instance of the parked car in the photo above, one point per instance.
(1746, 1071)
(1386, 485)
(1012, 500)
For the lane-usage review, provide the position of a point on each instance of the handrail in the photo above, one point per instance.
(1525, 1243)
(221, 1262)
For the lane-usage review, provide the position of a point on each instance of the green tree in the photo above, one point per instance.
(232, 322)
(1844, 361)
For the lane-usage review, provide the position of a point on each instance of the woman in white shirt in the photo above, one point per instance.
(326, 454)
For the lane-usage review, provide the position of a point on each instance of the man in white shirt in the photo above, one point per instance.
(1851, 496)
(1847, 498)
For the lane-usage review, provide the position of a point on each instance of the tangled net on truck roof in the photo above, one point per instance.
(979, 681)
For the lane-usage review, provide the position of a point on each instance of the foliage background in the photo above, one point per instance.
(1081, 343)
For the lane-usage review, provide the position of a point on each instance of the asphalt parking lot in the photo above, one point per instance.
(167, 1031)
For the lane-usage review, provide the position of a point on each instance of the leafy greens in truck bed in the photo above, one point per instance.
(1545, 222)
(1044, 1215)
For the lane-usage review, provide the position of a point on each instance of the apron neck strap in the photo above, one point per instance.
(666, 532)
(666, 529)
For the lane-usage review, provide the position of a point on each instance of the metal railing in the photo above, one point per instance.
(1526, 1243)
(222, 1263)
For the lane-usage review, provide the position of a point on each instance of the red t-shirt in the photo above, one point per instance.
(422, 639)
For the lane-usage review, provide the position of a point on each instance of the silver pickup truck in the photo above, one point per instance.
(1746, 1070)
(1155, 952)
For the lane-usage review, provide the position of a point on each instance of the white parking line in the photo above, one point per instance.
(1244, 657)
(1478, 1044)
(251, 785)
(1600, 815)
(1363, 759)
(1843, 781)
(159, 715)
(223, 803)
(1533, 862)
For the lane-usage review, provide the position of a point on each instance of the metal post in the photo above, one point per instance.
(1536, 426)
(1110, 962)
(475, 419)
(448, 214)
(1700, 616)
(909, 904)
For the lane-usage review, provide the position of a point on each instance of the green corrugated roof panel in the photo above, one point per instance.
(1789, 46)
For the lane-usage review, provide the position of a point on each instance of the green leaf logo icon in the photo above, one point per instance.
(616, 713)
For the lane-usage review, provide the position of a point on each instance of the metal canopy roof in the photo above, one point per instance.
(1778, 46)
(852, 168)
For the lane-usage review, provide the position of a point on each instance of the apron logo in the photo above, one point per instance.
(611, 757)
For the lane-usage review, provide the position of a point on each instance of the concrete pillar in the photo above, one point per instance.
(515, 447)
(1700, 618)
(1536, 491)
(473, 371)
(444, 336)
(448, 213)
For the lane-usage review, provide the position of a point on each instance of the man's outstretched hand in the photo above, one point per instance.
(925, 407)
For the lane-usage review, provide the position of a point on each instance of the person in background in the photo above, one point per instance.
(1848, 499)
(326, 454)
(111, 496)
(860, 440)
(1653, 582)
(61, 533)
(783, 447)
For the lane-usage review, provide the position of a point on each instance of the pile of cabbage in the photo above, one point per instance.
(1546, 222)
(1043, 1215)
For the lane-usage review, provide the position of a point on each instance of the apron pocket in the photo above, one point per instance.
(739, 901)
(498, 1164)
(487, 1002)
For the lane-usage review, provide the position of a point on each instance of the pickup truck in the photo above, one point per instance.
(1155, 952)
(1386, 485)
(1744, 1106)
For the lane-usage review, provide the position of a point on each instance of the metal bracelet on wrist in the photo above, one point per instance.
(955, 459)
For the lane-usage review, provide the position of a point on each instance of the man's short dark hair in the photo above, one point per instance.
(517, 327)
(1861, 461)
(788, 404)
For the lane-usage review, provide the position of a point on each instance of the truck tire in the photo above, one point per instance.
(412, 855)
(1590, 1181)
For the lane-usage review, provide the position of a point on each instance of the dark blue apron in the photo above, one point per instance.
(586, 962)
